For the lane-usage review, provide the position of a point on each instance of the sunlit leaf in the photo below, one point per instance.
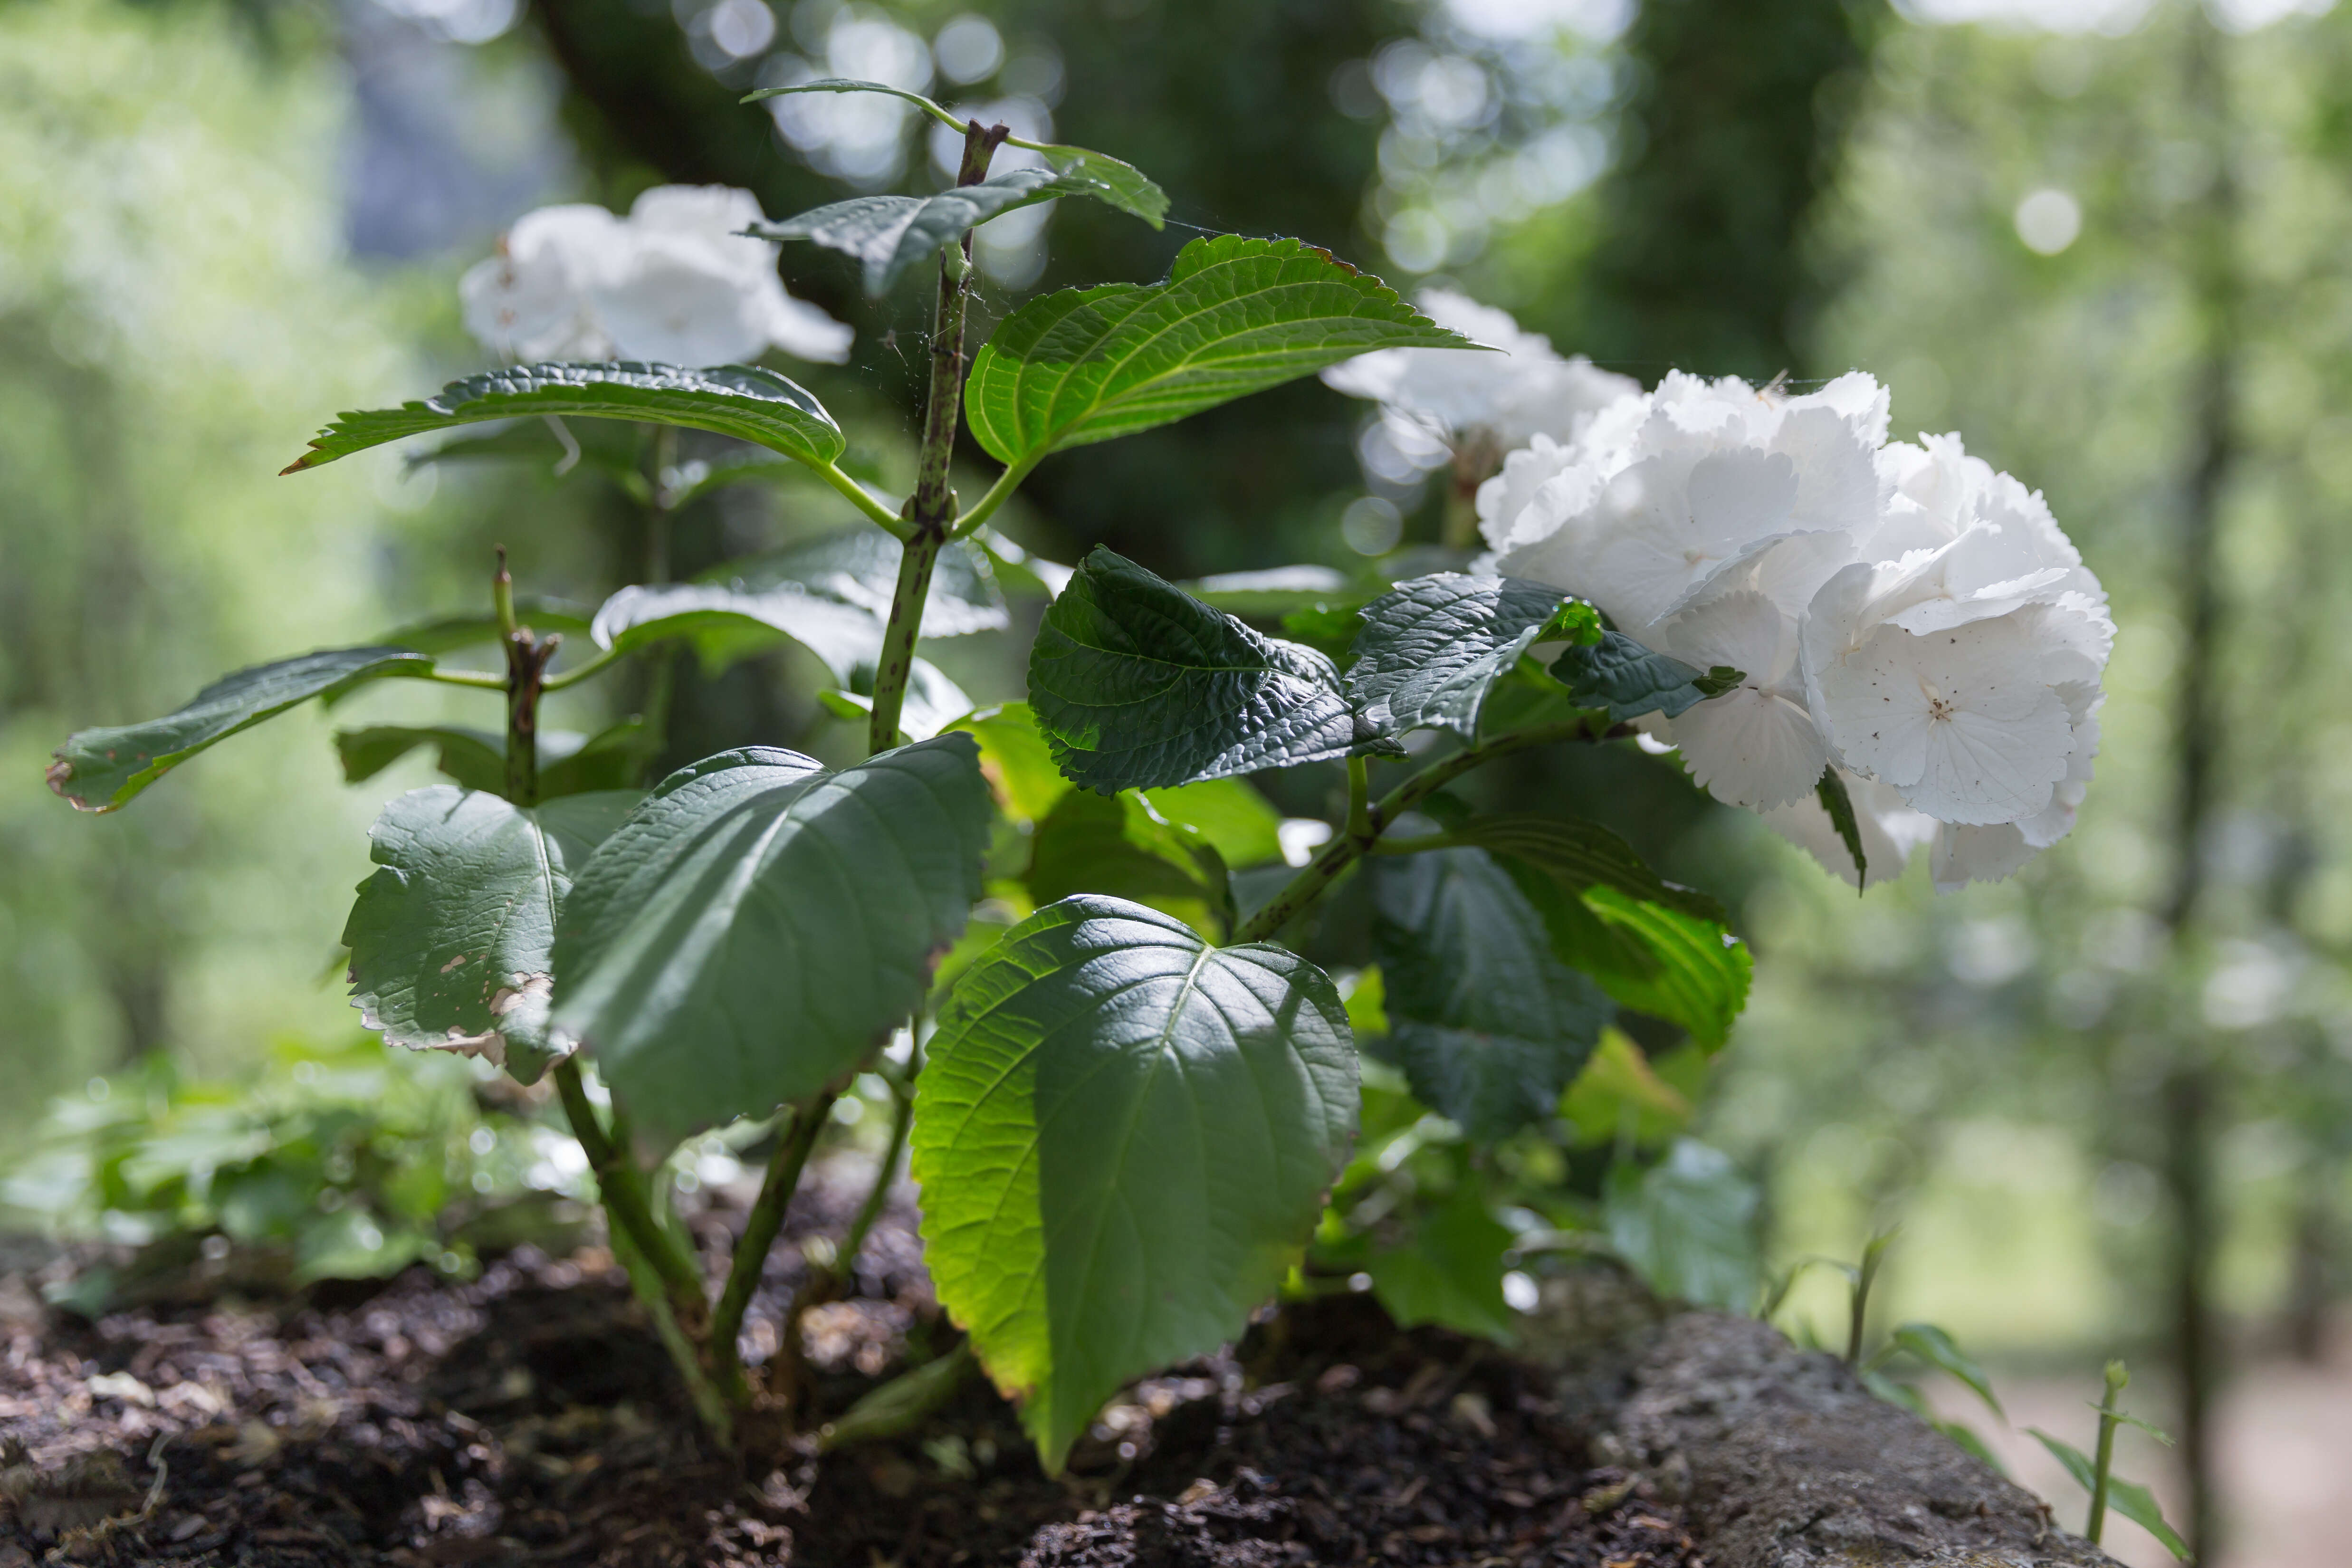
(1123, 847)
(1431, 647)
(886, 234)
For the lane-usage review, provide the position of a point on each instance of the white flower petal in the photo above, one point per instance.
(1750, 748)
(1978, 854)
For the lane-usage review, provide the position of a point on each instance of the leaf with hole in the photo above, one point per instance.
(1686, 1225)
(450, 936)
(1625, 680)
(742, 401)
(101, 769)
(1124, 1140)
(1655, 947)
(1432, 647)
(761, 922)
(1488, 1024)
(1134, 683)
(1235, 316)
(1122, 846)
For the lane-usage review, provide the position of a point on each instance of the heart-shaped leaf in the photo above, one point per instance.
(1135, 684)
(761, 922)
(1124, 1139)
(738, 400)
(450, 937)
(1489, 1026)
(1235, 316)
(100, 770)
(1431, 647)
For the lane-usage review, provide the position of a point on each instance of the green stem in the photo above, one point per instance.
(581, 672)
(1366, 824)
(930, 510)
(2105, 1459)
(647, 1284)
(760, 1228)
(998, 494)
(863, 498)
(480, 679)
(621, 1186)
(902, 1122)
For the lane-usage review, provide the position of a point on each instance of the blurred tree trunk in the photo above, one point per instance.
(1738, 118)
(2196, 1087)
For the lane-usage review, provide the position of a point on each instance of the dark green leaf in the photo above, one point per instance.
(99, 769)
(886, 234)
(1626, 679)
(1123, 1143)
(1276, 591)
(1328, 628)
(1934, 1346)
(449, 938)
(1831, 792)
(474, 758)
(1448, 1271)
(1121, 845)
(614, 450)
(615, 757)
(1135, 684)
(2134, 1502)
(1688, 1225)
(1235, 316)
(448, 633)
(742, 401)
(1656, 948)
(1488, 1024)
(761, 922)
(1431, 647)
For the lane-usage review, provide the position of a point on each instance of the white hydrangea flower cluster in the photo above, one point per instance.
(1902, 613)
(675, 282)
(1438, 402)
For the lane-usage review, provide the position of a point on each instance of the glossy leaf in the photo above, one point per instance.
(1448, 1271)
(1488, 1024)
(450, 937)
(1934, 1346)
(1656, 948)
(1107, 179)
(1625, 680)
(727, 624)
(761, 922)
(1235, 316)
(1276, 591)
(2129, 1499)
(1432, 648)
(1686, 1225)
(1124, 1140)
(1134, 683)
(886, 234)
(101, 769)
(859, 567)
(742, 401)
(1123, 847)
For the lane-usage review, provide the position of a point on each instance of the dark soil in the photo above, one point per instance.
(530, 1417)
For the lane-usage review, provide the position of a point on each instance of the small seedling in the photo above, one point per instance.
(2096, 1474)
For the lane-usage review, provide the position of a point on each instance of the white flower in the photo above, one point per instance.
(673, 283)
(1890, 831)
(1435, 399)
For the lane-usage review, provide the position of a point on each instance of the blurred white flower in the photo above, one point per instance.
(1441, 400)
(673, 283)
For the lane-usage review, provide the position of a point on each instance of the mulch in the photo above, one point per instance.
(530, 1417)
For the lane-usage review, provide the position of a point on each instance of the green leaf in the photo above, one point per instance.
(569, 763)
(1328, 628)
(1240, 823)
(859, 566)
(1626, 679)
(2134, 1502)
(1235, 316)
(1121, 845)
(101, 769)
(450, 936)
(1432, 648)
(1934, 1346)
(1488, 1025)
(1657, 947)
(1964, 1437)
(1015, 760)
(1688, 1225)
(761, 922)
(727, 623)
(1831, 792)
(1448, 1271)
(1123, 1143)
(1134, 683)
(449, 634)
(1276, 591)
(932, 702)
(886, 234)
(742, 401)
(1107, 179)
(614, 757)
(1618, 1085)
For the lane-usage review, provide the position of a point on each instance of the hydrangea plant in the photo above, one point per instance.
(1127, 1104)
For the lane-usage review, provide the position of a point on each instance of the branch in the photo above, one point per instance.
(760, 1228)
